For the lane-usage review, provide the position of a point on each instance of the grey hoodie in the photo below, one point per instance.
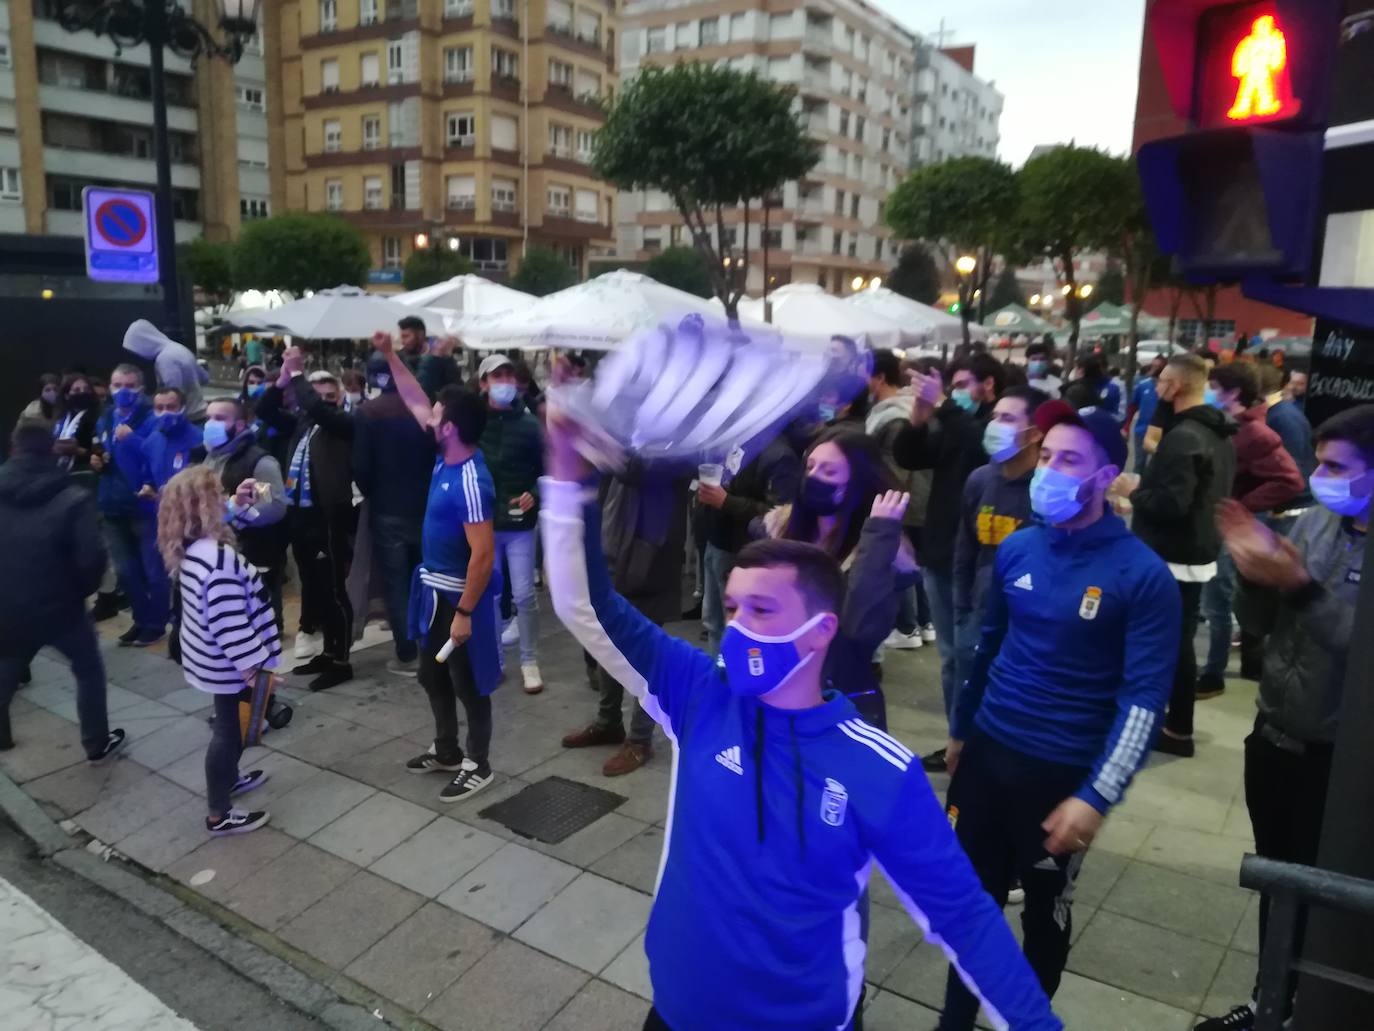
(883, 422)
(175, 365)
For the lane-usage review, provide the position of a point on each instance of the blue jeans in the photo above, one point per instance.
(1216, 606)
(717, 565)
(132, 540)
(968, 628)
(396, 550)
(940, 591)
(913, 609)
(1141, 455)
(515, 548)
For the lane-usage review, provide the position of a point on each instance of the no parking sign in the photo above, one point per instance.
(121, 236)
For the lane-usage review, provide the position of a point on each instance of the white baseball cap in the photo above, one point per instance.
(491, 363)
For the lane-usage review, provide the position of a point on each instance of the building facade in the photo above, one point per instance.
(74, 113)
(955, 113)
(466, 119)
(852, 67)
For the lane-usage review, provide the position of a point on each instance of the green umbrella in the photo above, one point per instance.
(1106, 319)
(1016, 319)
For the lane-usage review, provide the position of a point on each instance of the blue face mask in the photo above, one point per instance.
(215, 435)
(1209, 397)
(256, 390)
(126, 397)
(964, 400)
(1335, 494)
(826, 412)
(1054, 495)
(1035, 370)
(502, 394)
(756, 665)
(171, 422)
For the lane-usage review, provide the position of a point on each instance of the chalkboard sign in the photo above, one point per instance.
(1342, 370)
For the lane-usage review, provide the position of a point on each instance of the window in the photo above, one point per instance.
(458, 64)
(589, 27)
(329, 15)
(329, 76)
(370, 70)
(559, 17)
(503, 9)
(333, 194)
(658, 40)
(560, 74)
(487, 254)
(462, 129)
(588, 203)
(836, 242)
(391, 252)
(457, 8)
(587, 84)
(887, 138)
(367, 12)
(248, 98)
(854, 206)
(839, 202)
(653, 240)
(372, 132)
(560, 200)
(877, 250)
(4, 49)
(505, 131)
(772, 238)
(462, 192)
(710, 32)
(252, 207)
(503, 195)
(853, 248)
(11, 190)
(859, 128)
(584, 144)
(372, 193)
(844, 123)
(560, 141)
(505, 64)
(395, 61)
(333, 136)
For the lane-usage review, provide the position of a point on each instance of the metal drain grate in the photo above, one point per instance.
(553, 809)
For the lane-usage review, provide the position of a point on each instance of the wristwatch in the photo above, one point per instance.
(462, 611)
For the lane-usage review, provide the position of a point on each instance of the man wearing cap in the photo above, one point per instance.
(513, 449)
(1068, 686)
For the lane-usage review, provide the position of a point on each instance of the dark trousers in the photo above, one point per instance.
(322, 543)
(222, 755)
(1286, 795)
(396, 550)
(998, 799)
(449, 683)
(77, 642)
(132, 540)
(610, 709)
(1179, 720)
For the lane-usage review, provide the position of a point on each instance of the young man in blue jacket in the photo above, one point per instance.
(1068, 686)
(783, 800)
(130, 531)
(167, 449)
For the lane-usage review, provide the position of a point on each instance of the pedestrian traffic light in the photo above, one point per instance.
(1238, 195)
(954, 308)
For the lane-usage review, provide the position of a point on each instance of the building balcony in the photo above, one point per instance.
(814, 80)
(816, 36)
(114, 104)
(111, 166)
(505, 86)
(462, 204)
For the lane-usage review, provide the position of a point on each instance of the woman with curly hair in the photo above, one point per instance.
(228, 630)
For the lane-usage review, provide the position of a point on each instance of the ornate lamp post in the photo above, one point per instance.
(162, 24)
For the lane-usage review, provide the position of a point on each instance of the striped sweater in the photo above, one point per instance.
(227, 624)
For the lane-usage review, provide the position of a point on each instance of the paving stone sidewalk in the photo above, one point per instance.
(454, 918)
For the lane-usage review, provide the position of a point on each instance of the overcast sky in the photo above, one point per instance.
(1068, 68)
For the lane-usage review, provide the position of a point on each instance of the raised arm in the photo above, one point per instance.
(407, 385)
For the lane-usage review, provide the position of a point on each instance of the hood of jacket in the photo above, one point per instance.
(1111, 527)
(145, 340)
(27, 482)
(898, 406)
(1213, 419)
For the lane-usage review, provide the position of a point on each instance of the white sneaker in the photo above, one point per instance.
(534, 683)
(903, 642)
(1016, 896)
(308, 645)
(511, 634)
(928, 633)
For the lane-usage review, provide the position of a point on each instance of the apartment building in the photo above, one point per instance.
(74, 113)
(955, 113)
(852, 67)
(460, 119)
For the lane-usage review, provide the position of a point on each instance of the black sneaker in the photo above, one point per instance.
(1182, 747)
(248, 781)
(1242, 1018)
(470, 780)
(934, 762)
(106, 606)
(129, 636)
(147, 637)
(431, 763)
(319, 664)
(113, 744)
(335, 674)
(1210, 685)
(236, 821)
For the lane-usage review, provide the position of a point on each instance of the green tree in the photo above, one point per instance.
(1070, 204)
(711, 138)
(300, 251)
(915, 275)
(683, 268)
(964, 207)
(209, 265)
(542, 271)
(1111, 286)
(433, 264)
(1006, 290)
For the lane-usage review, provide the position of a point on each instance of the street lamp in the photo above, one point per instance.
(1035, 300)
(965, 266)
(1085, 291)
(164, 25)
(421, 241)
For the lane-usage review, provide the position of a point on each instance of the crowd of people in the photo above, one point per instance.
(1058, 540)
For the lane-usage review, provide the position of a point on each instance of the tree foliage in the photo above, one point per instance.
(683, 268)
(1006, 290)
(711, 138)
(209, 264)
(542, 271)
(300, 251)
(433, 264)
(1111, 286)
(915, 275)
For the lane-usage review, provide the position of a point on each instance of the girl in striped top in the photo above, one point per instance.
(228, 630)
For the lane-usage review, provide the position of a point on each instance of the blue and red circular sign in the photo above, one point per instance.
(120, 222)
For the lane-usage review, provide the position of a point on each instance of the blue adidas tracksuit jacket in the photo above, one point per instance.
(775, 822)
(1077, 655)
(125, 472)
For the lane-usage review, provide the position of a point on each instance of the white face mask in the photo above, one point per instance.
(352, 398)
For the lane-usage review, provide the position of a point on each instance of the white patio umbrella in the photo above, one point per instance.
(469, 294)
(596, 315)
(938, 327)
(344, 313)
(807, 309)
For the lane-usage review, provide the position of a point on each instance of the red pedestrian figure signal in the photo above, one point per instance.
(1260, 62)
